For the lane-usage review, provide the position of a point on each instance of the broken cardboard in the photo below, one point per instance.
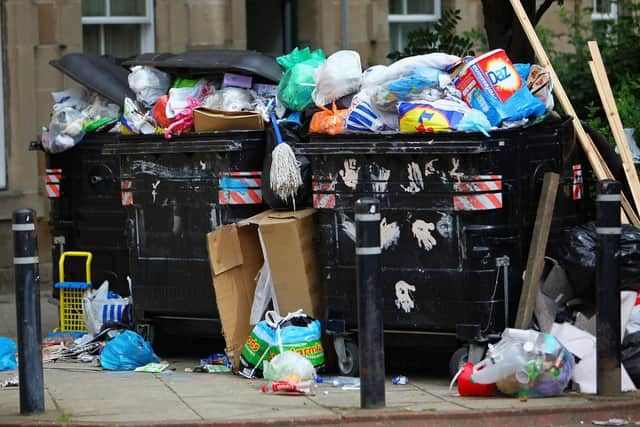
(235, 261)
(205, 119)
(236, 258)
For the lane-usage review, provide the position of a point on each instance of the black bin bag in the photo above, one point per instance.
(577, 254)
(291, 135)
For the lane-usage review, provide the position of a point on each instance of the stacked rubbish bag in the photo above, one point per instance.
(428, 93)
(154, 101)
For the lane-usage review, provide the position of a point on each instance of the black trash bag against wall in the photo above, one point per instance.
(577, 255)
(291, 134)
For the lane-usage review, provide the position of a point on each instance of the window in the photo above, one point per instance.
(117, 27)
(408, 15)
(604, 10)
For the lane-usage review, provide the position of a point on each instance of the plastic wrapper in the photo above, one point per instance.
(363, 116)
(126, 352)
(74, 97)
(295, 332)
(297, 83)
(159, 112)
(490, 83)
(424, 84)
(577, 255)
(229, 99)
(338, 76)
(179, 97)
(526, 363)
(443, 115)
(8, 350)
(66, 129)
(148, 84)
(327, 121)
(379, 74)
(288, 366)
(135, 120)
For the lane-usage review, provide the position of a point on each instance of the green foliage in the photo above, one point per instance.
(619, 44)
(441, 38)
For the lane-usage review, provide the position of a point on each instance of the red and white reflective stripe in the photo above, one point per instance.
(324, 201)
(126, 196)
(52, 182)
(577, 182)
(53, 190)
(240, 197)
(478, 202)
(479, 183)
(321, 186)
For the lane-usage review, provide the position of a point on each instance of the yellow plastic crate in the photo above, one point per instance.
(71, 295)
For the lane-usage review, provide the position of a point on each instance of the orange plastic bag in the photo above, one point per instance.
(329, 121)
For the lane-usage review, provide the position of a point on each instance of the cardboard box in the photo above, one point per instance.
(205, 119)
(236, 257)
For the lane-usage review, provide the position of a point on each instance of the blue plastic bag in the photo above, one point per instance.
(126, 352)
(8, 350)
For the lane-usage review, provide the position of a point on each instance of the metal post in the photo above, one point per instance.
(608, 287)
(370, 303)
(345, 24)
(28, 311)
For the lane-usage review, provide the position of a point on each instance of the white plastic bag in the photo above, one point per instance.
(148, 84)
(75, 97)
(338, 76)
(265, 291)
(377, 75)
(99, 308)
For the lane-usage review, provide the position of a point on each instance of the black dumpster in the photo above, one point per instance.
(83, 185)
(175, 192)
(458, 212)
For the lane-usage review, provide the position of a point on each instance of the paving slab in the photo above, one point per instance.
(87, 395)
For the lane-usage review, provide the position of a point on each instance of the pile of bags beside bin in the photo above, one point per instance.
(426, 93)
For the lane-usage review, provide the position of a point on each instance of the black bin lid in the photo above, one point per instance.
(101, 74)
(199, 63)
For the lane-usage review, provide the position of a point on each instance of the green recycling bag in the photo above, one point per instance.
(297, 83)
(295, 332)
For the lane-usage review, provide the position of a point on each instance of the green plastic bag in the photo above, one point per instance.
(297, 83)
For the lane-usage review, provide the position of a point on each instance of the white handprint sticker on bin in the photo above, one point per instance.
(422, 231)
(349, 174)
(404, 299)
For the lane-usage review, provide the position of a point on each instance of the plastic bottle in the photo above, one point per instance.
(342, 381)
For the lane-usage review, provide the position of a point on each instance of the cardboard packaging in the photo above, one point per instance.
(236, 258)
(205, 119)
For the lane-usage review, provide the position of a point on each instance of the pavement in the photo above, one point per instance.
(84, 394)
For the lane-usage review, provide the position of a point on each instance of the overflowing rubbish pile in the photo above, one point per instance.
(426, 93)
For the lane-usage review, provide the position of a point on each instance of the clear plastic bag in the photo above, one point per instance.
(338, 76)
(229, 99)
(66, 129)
(289, 366)
(148, 84)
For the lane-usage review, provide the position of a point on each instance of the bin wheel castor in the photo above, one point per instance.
(459, 358)
(348, 363)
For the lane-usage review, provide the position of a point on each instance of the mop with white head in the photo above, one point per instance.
(285, 174)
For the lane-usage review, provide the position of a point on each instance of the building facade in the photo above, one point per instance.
(33, 32)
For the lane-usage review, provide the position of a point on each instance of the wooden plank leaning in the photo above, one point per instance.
(595, 159)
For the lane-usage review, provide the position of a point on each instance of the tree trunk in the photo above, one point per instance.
(504, 30)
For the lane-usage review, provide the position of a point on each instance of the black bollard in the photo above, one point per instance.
(608, 287)
(28, 311)
(370, 303)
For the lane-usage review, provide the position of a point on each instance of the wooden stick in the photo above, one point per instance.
(537, 249)
(600, 168)
(610, 108)
(586, 144)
